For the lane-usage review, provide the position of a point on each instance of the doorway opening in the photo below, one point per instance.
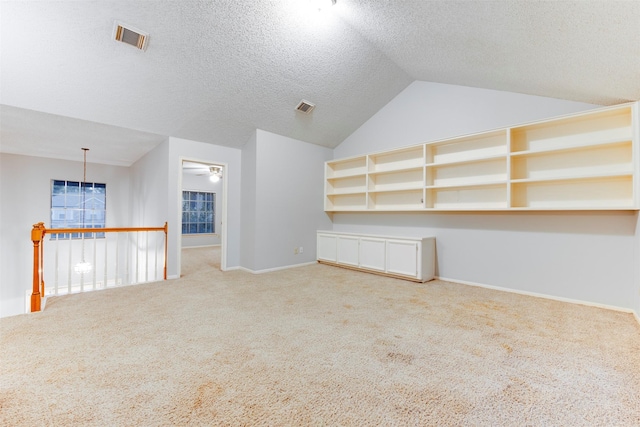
(203, 209)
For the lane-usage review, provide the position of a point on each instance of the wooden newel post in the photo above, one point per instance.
(37, 234)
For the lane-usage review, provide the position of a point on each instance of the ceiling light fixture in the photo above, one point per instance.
(215, 173)
(83, 266)
(321, 5)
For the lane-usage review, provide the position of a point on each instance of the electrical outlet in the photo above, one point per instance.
(295, 250)
(301, 250)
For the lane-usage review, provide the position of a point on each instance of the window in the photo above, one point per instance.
(78, 205)
(198, 212)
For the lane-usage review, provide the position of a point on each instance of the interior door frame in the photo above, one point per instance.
(223, 222)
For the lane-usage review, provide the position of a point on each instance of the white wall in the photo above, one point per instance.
(149, 182)
(192, 182)
(25, 199)
(587, 256)
(248, 213)
(288, 200)
(183, 149)
(427, 111)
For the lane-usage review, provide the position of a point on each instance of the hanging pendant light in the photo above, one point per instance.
(83, 267)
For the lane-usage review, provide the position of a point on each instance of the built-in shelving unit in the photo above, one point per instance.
(583, 161)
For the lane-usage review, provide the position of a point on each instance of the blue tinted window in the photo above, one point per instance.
(198, 212)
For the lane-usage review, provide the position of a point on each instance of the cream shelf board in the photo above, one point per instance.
(581, 130)
(408, 199)
(468, 160)
(417, 186)
(347, 176)
(577, 146)
(468, 185)
(395, 171)
(585, 193)
(405, 158)
(468, 148)
(468, 173)
(355, 184)
(397, 181)
(347, 167)
(584, 177)
(601, 160)
(493, 197)
(346, 201)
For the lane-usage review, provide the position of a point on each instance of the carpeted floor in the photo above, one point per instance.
(316, 346)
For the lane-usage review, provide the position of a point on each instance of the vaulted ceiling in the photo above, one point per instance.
(216, 70)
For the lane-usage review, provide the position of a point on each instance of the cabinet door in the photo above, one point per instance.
(402, 257)
(348, 250)
(372, 253)
(327, 247)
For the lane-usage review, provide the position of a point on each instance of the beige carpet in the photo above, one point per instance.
(316, 346)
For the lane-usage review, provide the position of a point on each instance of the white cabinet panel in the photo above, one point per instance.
(373, 253)
(402, 257)
(348, 248)
(327, 248)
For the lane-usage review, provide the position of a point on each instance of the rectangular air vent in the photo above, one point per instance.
(131, 36)
(305, 107)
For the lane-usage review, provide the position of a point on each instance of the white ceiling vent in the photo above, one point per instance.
(305, 107)
(131, 36)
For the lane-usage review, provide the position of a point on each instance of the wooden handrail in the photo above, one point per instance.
(38, 233)
(103, 230)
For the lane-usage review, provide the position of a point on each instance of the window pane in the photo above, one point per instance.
(67, 210)
(73, 187)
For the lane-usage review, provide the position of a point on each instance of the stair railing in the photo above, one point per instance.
(135, 255)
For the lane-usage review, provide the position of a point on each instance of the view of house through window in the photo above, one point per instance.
(198, 212)
(78, 205)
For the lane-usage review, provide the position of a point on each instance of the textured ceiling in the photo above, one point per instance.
(216, 70)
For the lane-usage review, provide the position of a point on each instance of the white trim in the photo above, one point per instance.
(173, 276)
(233, 268)
(535, 294)
(201, 246)
(269, 270)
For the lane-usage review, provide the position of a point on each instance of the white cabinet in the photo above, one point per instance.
(404, 257)
(347, 250)
(582, 161)
(327, 247)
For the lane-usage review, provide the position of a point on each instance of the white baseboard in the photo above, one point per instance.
(172, 276)
(269, 270)
(535, 294)
(232, 268)
(201, 246)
